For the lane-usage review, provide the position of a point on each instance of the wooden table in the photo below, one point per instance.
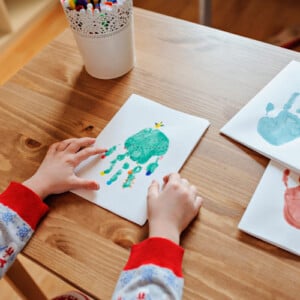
(188, 67)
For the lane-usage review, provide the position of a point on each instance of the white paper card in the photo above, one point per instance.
(273, 213)
(270, 122)
(145, 141)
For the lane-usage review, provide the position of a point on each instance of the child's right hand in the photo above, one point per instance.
(172, 209)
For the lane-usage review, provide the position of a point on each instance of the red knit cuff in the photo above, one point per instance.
(27, 204)
(158, 251)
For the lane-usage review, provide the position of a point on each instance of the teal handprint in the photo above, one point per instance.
(140, 148)
(283, 128)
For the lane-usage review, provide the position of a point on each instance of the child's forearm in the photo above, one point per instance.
(20, 211)
(153, 271)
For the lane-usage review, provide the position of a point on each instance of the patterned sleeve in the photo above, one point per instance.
(153, 271)
(20, 211)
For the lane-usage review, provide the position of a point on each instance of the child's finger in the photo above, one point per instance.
(78, 144)
(198, 203)
(153, 190)
(174, 177)
(86, 153)
(53, 148)
(81, 183)
(193, 191)
(61, 146)
(185, 182)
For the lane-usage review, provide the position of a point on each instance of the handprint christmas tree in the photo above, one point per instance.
(140, 148)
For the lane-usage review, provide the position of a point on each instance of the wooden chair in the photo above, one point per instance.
(205, 12)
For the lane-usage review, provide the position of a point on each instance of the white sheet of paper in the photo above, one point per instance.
(183, 132)
(264, 217)
(279, 136)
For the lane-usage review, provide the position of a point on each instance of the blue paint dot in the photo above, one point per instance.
(148, 173)
(108, 182)
(270, 107)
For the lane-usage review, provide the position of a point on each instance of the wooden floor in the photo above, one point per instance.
(255, 19)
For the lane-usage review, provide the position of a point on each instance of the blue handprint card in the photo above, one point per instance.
(270, 122)
(144, 140)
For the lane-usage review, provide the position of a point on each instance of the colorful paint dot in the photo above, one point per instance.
(151, 168)
(158, 125)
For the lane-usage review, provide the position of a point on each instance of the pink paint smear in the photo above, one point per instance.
(291, 209)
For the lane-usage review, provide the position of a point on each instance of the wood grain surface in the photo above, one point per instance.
(188, 67)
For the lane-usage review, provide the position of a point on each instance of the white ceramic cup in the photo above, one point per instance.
(105, 38)
(110, 56)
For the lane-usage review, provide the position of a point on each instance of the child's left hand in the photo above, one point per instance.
(56, 172)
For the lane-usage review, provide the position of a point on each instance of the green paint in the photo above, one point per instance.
(146, 144)
(110, 150)
(151, 168)
(114, 161)
(129, 180)
(140, 148)
(121, 156)
(126, 166)
(114, 177)
(137, 169)
(112, 164)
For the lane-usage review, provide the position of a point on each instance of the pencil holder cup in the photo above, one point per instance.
(104, 35)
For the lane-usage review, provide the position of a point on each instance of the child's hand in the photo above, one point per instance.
(56, 173)
(172, 209)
